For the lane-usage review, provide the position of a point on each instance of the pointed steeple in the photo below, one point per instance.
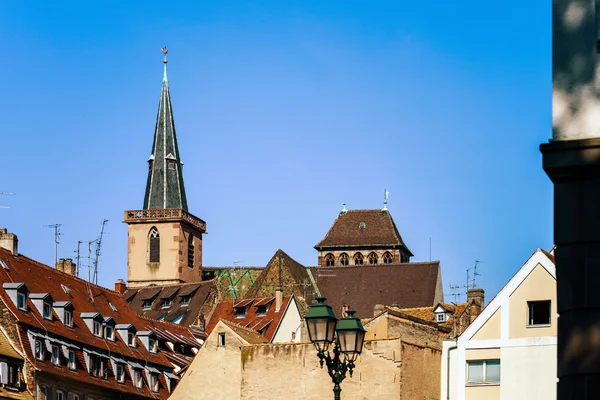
(164, 188)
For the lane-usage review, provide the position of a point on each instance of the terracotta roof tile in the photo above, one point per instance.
(362, 228)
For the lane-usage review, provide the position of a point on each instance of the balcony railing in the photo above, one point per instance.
(164, 214)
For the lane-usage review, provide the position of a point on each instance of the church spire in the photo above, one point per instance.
(164, 188)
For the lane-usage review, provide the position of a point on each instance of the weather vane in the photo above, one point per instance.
(165, 51)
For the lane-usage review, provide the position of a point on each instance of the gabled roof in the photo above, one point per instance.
(199, 293)
(354, 228)
(226, 311)
(165, 188)
(428, 314)
(361, 288)
(247, 334)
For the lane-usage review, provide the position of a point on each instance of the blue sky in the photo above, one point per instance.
(283, 110)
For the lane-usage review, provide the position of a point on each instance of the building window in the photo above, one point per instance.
(68, 318)
(387, 258)
(539, 312)
(344, 259)
(221, 342)
(74, 397)
(137, 378)
(120, 373)
(147, 304)
(94, 365)
(21, 301)
(154, 382)
(440, 317)
(97, 328)
(240, 312)
(47, 311)
(185, 300)
(373, 259)
(112, 306)
(191, 251)
(329, 260)
(152, 345)
(261, 311)
(44, 392)
(39, 350)
(13, 375)
(358, 259)
(154, 246)
(171, 164)
(60, 395)
(72, 361)
(485, 371)
(166, 303)
(130, 339)
(55, 355)
(109, 332)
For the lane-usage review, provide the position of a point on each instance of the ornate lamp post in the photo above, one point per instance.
(321, 324)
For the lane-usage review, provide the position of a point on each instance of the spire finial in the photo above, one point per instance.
(344, 207)
(165, 51)
(385, 199)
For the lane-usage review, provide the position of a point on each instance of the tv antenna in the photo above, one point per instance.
(475, 274)
(78, 258)
(6, 194)
(97, 255)
(57, 235)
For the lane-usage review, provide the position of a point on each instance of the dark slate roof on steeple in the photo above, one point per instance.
(165, 188)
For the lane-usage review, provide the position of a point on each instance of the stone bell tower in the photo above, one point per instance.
(164, 238)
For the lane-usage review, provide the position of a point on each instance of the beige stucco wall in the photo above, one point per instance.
(491, 329)
(377, 329)
(528, 373)
(483, 354)
(215, 372)
(539, 285)
(491, 392)
(291, 323)
(173, 266)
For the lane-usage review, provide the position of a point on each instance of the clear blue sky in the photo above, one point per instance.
(284, 110)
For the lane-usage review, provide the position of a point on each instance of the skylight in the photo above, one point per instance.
(65, 288)
(4, 265)
(178, 319)
(112, 306)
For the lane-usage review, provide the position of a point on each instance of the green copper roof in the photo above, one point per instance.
(165, 188)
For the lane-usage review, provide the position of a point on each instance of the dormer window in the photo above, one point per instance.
(72, 360)
(147, 305)
(55, 355)
(97, 328)
(109, 332)
(131, 339)
(440, 317)
(185, 300)
(39, 350)
(152, 345)
(120, 373)
(21, 301)
(166, 303)
(262, 310)
(68, 318)
(47, 313)
(240, 312)
(137, 378)
(154, 382)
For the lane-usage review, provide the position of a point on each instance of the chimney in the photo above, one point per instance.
(9, 241)
(345, 309)
(278, 299)
(378, 309)
(67, 266)
(475, 297)
(120, 286)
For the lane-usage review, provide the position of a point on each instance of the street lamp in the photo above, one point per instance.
(321, 324)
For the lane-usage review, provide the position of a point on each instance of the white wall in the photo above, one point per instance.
(528, 373)
(448, 347)
(291, 322)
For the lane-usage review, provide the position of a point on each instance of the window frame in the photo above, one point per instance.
(388, 256)
(531, 314)
(260, 312)
(329, 260)
(72, 362)
(97, 328)
(166, 303)
(147, 304)
(221, 339)
(130, 339)
(153, 245)
(60, 395)
(138, 381)
(55, 355)
(185, 301)
(121, 373)
(152, 345)
(13, 378)
(484, 373)
(39, 355)
(69, 318)
(107, 329)
(191, 252)
(440, 317)
(21, 295)
(47, 310)
(373, 258)
(358, 259)
(344, 260)
(154, 382)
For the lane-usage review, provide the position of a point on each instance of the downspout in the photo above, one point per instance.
(453, 347)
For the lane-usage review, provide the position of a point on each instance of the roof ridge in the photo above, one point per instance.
(229, 323)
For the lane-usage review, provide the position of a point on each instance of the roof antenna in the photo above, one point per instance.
(57, 235)
(385, 199)
(165, 51)
(344, 207)
(475, 274)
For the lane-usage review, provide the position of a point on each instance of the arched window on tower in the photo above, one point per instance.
(191, 251)
(373, 259)
(344, 259)
(329, 260)
(358, 259)
(153, 245)
(387, 258)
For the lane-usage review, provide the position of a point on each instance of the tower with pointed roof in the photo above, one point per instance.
(164, 238)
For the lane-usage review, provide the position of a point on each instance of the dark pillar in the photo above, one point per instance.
(574, 168)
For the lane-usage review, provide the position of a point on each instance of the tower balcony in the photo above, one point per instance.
(164, 215)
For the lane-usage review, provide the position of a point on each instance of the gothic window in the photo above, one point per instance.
(373, 259)
(387, 258)
(344, 259)
(329, 260)
(191, 251)
(153, 245)
(358, 259)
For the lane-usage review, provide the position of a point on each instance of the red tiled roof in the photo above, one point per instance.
(362, 228)
(362, 287)
(85, 298)
(226, 311)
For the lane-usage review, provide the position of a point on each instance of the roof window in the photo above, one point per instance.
(22, 301)
(178, 319)
(185, 300)
(3, 264)
(112, 306)
(65, 288)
